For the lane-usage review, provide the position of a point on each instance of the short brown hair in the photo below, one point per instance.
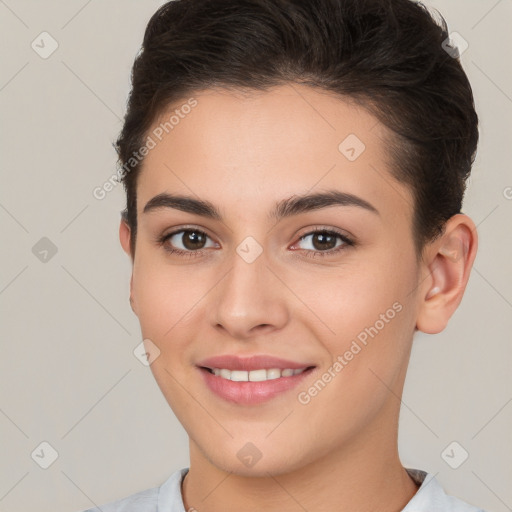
(387, 55)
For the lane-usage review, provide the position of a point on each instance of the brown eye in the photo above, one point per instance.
(324, 242)
(193, 240)
(187, 240)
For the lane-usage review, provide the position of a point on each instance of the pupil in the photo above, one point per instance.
(193, 240)
(326, 241)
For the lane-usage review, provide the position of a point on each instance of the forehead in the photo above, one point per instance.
(258, 147)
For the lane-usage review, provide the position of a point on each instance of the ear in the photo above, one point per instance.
(124, 238)
(447, 263)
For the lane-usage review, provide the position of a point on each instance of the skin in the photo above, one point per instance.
(243, 153)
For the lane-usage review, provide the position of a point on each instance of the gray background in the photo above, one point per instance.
(68, 375)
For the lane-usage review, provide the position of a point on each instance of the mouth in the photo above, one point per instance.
(258, 375)
(252, 387)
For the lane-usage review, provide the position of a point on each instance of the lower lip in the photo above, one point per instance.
(251, 393)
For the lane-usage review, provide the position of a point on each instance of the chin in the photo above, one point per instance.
(250, 462)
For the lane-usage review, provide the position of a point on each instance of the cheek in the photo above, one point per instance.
(372, 319)
(349, 299)
(165, 298)
(367, 317)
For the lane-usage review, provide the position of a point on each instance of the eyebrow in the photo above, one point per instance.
(294, 205)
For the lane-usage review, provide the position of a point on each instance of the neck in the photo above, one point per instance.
(365, 475)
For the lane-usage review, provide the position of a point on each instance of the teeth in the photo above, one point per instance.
(255, 375)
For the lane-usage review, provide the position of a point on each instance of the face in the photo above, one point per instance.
(326, 284)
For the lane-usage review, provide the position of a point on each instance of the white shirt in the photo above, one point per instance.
(430, 497)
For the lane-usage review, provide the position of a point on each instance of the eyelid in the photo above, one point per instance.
(322, 228)
(306, 231)
(162, 239)
(185, 227)
(348, 240)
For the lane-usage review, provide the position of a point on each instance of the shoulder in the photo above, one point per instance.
(431, 497)
(144, 501)
(149, 500)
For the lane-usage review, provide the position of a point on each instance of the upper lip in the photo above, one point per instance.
(256, 362)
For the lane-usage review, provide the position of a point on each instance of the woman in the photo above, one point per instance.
(294, 174)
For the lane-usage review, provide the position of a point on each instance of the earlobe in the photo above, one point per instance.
(448, 264)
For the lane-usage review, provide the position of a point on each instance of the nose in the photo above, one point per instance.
(250, 300)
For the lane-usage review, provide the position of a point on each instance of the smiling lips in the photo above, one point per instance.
(251, 380)
(255, 375)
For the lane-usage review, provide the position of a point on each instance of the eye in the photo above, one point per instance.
(186, 242)
(323, 242)
(192, 242)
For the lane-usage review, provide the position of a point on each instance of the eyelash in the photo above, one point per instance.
(347, 242)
